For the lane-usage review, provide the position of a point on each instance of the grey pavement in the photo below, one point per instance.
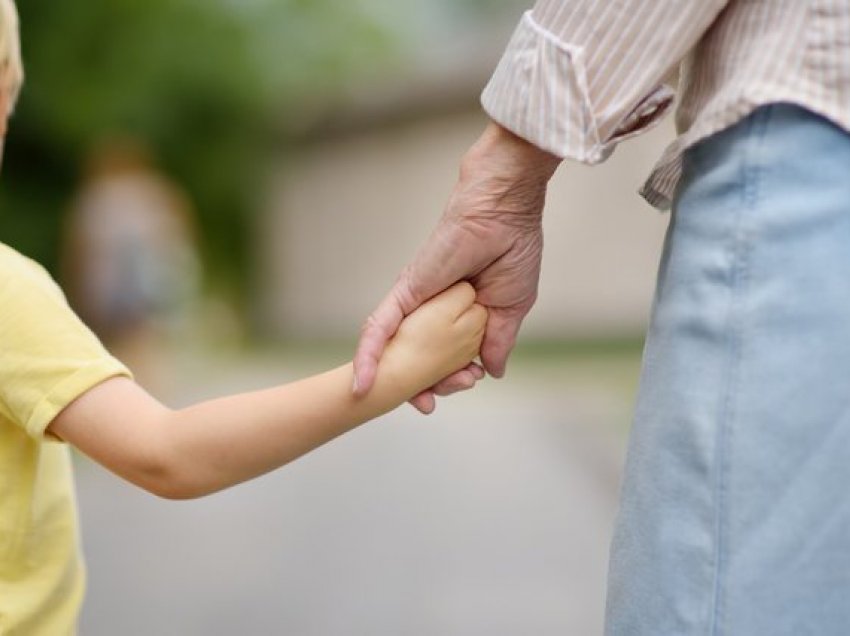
(491, 517)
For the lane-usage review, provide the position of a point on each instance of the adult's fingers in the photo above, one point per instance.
(499, 340)
(379, 327)
(425, 402)
(459, 381)
(382, 324)
(462, 380)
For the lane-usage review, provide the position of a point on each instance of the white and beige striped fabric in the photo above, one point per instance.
(578, 76)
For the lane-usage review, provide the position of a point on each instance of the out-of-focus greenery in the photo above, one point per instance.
(209, 85)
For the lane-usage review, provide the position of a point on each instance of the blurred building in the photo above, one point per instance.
(351, 207)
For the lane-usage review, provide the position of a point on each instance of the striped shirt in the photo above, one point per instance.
(579, 76)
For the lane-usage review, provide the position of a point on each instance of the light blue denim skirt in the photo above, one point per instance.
(735, 511)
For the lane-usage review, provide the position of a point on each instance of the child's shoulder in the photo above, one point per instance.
(49, 356)
(14, 266)
(23, 281)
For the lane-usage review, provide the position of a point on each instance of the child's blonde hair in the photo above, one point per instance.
(11, 67)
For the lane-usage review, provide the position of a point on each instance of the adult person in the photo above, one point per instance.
(733, 516)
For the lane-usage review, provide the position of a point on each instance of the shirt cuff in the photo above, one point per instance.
(539, 91)
(68, 390)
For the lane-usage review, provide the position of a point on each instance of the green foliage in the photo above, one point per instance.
(206, 83)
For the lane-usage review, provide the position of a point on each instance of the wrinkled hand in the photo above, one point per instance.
(491, 235)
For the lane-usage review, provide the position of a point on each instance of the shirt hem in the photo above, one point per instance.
(68, 390)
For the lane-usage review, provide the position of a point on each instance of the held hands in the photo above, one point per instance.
(489, 234)
(439, 338)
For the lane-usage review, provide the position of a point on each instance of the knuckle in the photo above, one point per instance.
(373, 325)
(367, 324)
(466, 382)
(407, 289)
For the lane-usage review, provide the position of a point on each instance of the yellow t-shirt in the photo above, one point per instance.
(48, 358)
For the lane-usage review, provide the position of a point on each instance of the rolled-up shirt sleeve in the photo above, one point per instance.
(578, 76)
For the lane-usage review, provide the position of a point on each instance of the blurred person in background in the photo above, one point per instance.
(734, 515)
(130, 264)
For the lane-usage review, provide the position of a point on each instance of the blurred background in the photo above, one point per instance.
(225, 188)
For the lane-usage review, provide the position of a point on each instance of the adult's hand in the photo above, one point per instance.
(490, 234)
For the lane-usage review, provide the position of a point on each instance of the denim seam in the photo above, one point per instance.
(739, 274)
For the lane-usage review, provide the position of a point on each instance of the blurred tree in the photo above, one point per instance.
(204, 82)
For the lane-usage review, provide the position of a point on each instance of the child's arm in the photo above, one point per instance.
(215, 444)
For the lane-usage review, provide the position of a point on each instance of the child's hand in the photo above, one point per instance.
(439, 338)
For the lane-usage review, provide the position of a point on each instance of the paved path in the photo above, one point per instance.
(490, 518)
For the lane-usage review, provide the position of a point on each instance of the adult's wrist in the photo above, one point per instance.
(508, 156)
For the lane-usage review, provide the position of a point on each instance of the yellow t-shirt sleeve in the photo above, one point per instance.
(48, 357)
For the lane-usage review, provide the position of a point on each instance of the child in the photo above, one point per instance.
(58, 383)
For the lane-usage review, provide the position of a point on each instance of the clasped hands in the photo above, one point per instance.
(490, 234)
